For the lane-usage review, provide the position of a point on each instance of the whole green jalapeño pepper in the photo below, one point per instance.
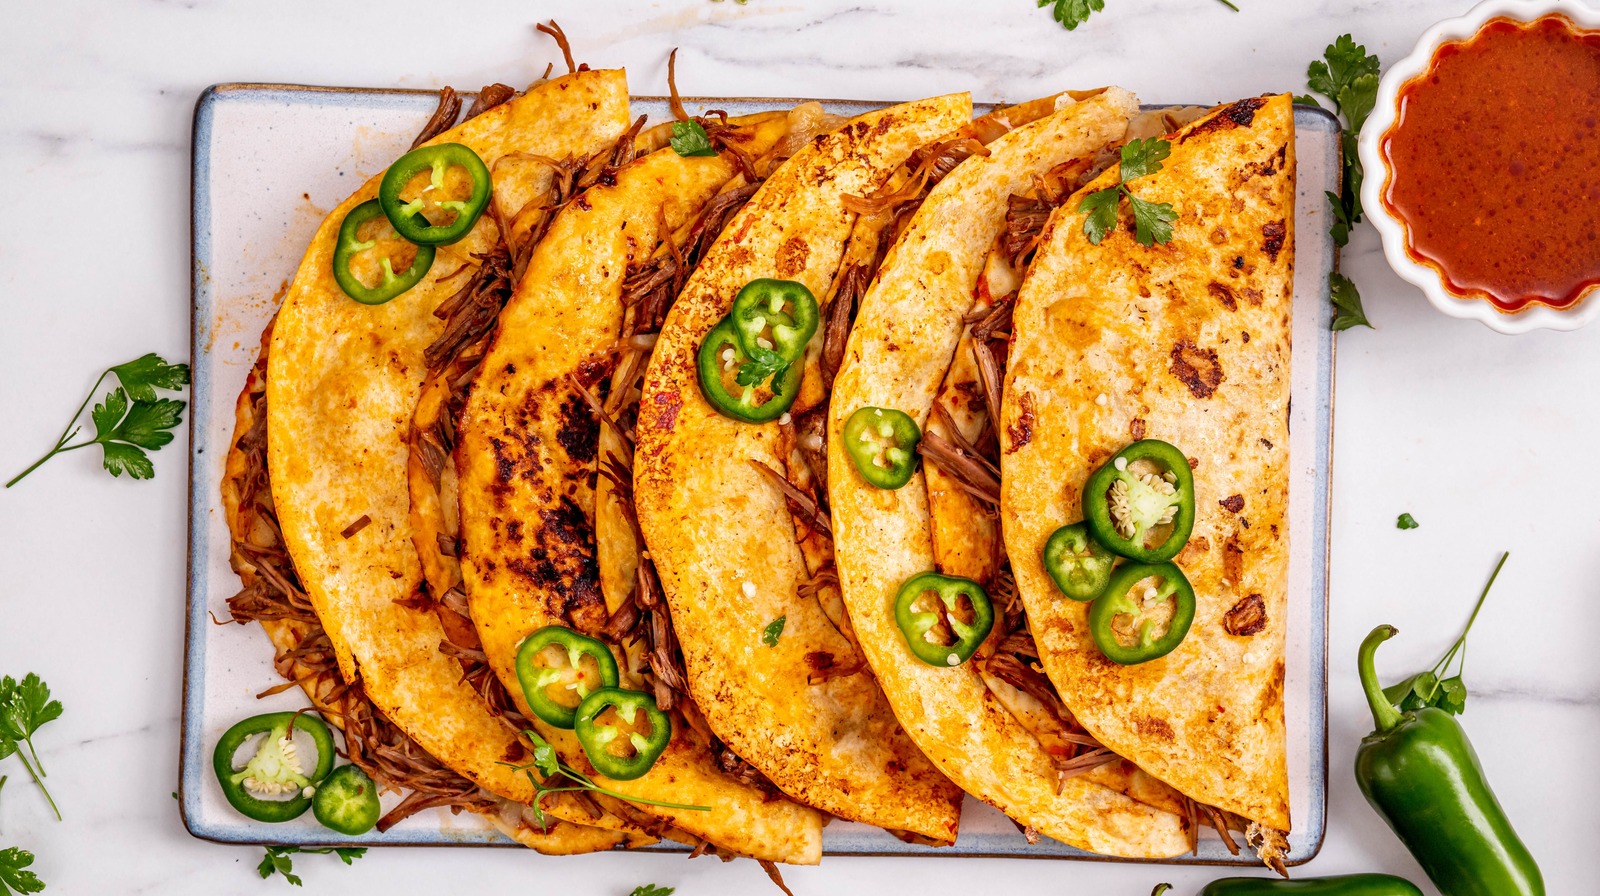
(1137, 641)
(929, 611)
(276, 769)
(617, 754)
(350, 245)
(750, 391)
(1341, 885)
(554, 676)
(1420, 772)
(407, 215)
(1079, 565)
(1140, 504)
(777, 316)
(882, 443)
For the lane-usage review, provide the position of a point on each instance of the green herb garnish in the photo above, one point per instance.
(1348, 77)
(769, 635)
(1406, 521)
(690, 139)
(277, 860)
(550, 766)
(1152, 221)
(25, 707)
(131, 420)
(14, 876)
(765, 363)
(652, 890)
(1346, 303)
(1429, 688)
(1072, 13)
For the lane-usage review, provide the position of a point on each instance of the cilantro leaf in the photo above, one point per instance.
(13, 876)
(1143, 157)
(26, 707)
(544, 755)
(1357, 98)
(1427, 688)
(1347, 301)
(1340, 229)
(1072, 13)
(142, 376)
(1152, 221)
(1342, 63)
(652, 890)
(1406, 521)
(689, 139)
(277, 861)
(765, 364)
(769, 635)
(1306, 99)
(129, 419)
(1101, 206)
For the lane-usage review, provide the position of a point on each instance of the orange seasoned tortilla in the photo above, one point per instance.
(527, 461)
(343, 380)
(905, 336)
(1187, 342)
(722, 536)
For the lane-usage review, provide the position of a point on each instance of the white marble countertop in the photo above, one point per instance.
(1483, 438)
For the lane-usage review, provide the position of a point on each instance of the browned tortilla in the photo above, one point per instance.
(1187, 342)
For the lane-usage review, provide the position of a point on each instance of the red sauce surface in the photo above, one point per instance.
(1495, 163)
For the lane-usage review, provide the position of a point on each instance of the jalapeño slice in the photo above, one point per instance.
(558, 668)
(1079, 565)
(622, 732)
(743, 389)
(778, 316)
(276, 769)
(882, 442)
(350, 245)
(943, 618)
(1141, 503)
(1144, 613)
(347, 802)
(410, 217)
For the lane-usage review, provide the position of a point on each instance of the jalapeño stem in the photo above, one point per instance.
(1384, 714)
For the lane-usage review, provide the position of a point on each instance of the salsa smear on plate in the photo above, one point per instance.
(1495, 163)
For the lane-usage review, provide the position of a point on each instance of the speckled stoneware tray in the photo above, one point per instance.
(271, 160)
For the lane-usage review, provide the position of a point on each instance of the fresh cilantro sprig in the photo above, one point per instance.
(25, 707)
(1429, 688)
(689, 138)
(770, 634)
(1072, 13)
(652, 890)
(14, 876)
(1406, 521)
(131, 420)
(277, 860)
(551, 768)
(1152, 221)
(765, 363)
(1347, 75)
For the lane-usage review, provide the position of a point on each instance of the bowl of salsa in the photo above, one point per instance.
(1482, 161)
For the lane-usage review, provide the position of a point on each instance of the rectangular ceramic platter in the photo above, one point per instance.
(269, 161)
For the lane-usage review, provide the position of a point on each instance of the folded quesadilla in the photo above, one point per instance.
(547, 537)
(1185, 342)
(343, 379)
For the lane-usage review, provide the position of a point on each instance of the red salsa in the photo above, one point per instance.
(1495, 163)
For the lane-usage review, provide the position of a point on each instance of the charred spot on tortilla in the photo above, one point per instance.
(579, 432)
(1155, 729)
(1232, 503)
(1136, 428)
(1021, 432)
(1236, 115)
(1197, 368)
(792, 255)
(1273, 233)
(1224, 296)
(1247, 617)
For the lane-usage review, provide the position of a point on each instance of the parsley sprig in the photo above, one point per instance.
(1072, 13)
(1428, 688)
(689, 139)
(1347, 75)
(14, 876)
(1152, 221)
(131, 419)
(25, 707)
(277, 860)
(552, 769)
(652, 890)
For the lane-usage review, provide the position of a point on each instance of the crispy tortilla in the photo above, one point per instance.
(900, 350)
(343, 381)
(527, 460)
(721, 533)
(1186, 342)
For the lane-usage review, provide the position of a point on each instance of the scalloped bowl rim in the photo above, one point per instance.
(1386, 111)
